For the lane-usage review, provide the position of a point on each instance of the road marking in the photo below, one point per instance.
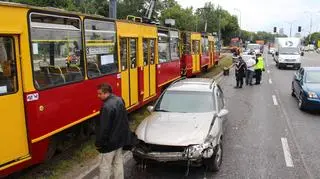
(268, 71)
(275, 102)
(270, 81)
(286, 151)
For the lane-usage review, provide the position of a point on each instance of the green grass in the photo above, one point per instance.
(224, 62)
(58, 167)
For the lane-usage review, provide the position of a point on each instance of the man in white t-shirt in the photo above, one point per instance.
(251, 62)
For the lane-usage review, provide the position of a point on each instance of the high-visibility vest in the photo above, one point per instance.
(260, 64)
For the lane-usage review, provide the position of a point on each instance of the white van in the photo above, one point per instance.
(287, 52)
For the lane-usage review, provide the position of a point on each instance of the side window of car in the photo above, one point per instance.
(220, 98)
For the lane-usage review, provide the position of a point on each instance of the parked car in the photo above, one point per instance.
(186, 124)
(306, 87)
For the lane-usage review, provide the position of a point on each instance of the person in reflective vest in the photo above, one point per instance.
(259, 67)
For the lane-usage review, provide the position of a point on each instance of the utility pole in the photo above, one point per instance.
(219, 26)
(290, 29)
(113, 9)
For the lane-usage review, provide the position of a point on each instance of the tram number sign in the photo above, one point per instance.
(97, 50)
(33, 97)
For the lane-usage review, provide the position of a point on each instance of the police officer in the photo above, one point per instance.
(259, 67)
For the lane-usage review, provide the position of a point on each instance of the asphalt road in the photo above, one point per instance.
(266, 136)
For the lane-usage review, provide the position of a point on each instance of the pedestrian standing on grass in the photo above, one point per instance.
(240, 72)
(112, 133)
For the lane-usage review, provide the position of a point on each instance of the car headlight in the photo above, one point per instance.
(202, 150)
(280, 59)
(312, 94)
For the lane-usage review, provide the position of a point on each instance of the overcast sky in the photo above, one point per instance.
(257, 15)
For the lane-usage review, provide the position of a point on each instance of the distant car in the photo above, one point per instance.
(306, 87)
(255, 47)
(186, 124)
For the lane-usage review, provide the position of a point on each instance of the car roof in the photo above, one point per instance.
(311, 68)
(193, 84)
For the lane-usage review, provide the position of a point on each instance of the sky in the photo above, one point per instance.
(263, 15)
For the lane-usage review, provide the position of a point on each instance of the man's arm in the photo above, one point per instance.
(106, 122)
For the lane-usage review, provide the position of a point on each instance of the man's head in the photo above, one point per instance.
(104, 90)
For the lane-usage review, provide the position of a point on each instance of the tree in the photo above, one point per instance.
(314, 37)
(185, 19)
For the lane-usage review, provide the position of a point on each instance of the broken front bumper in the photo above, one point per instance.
(163, 156)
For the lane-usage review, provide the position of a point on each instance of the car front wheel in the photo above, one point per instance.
(214, 163)
(292, 92)
(301, 103)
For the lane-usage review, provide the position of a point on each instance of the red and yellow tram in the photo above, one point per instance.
(51, 62)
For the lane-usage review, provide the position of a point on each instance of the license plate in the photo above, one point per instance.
(289, 65)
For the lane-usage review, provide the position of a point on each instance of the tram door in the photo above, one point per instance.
(129, 72)
(195, 56)
(149, 68)
(211, 52)
(13, 133)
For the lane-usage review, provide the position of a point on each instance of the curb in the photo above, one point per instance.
(126, 157)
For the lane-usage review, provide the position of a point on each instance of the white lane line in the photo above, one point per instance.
(286, 151)
(275, 102)
(270, 81)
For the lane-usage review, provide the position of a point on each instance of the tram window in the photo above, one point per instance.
(163, 48)
(133, 53)
(56, 50)
(195, 46)
(205, 46)
(152, 51)
(8, 74)
(145, 52)
(100, 44)
(174, 49)
(123, 54)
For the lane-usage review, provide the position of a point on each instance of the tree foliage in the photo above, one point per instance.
(186, 18)
(312, 39)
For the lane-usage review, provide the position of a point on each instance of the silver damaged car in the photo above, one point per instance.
(186, 124)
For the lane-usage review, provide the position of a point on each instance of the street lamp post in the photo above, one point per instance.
(290, 27)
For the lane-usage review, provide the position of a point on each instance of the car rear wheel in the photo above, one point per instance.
(214, 163)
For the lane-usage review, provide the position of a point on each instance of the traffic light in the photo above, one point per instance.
(274, 29)
(299, 29)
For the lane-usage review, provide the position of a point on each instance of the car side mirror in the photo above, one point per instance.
(223, 112)
(297, 77)
(150, 108)
(277, 53)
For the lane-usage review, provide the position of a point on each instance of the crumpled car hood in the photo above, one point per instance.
(175, 129)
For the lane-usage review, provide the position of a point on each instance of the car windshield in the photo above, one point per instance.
(185, 102)
(313, 77)
(289, 51)
(253, 46)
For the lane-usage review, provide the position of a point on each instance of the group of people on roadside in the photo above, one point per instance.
(248, 69)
